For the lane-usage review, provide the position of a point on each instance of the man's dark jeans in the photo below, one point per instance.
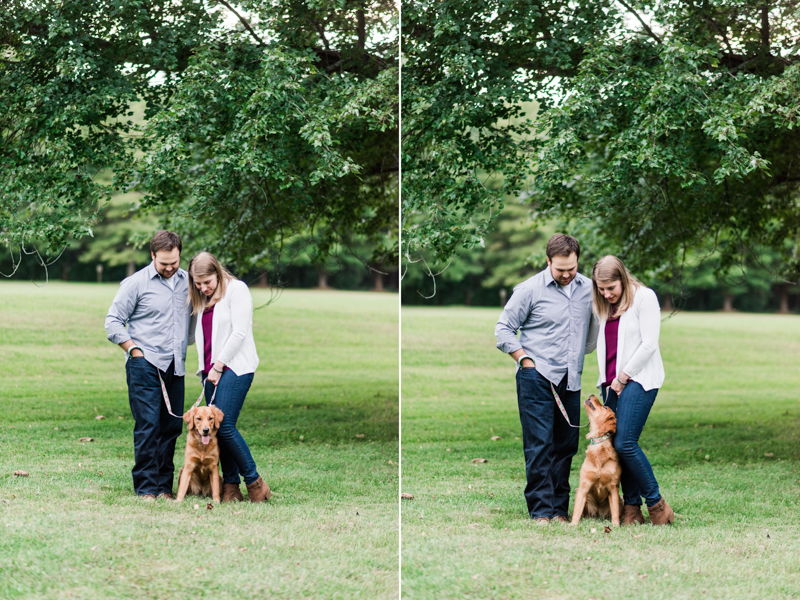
(632, 408)
(549, 442)
(155, 431)
(234, 454)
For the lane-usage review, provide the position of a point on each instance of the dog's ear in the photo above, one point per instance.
(218, 415)
(189, 418)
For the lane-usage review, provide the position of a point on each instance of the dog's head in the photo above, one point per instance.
(602, 419)
(204, 420)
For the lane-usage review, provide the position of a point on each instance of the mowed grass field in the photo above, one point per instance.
(723, 439)
(73, 528)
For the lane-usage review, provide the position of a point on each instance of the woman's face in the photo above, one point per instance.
(207, 285)
(611, 290)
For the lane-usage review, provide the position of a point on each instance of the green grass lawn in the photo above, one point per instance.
(723, 439)
(74, 529)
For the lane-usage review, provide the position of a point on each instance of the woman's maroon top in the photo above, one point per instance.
(612, 328)
(208, 319)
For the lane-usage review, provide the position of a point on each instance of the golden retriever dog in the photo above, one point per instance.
(598, 492)
(199, 475)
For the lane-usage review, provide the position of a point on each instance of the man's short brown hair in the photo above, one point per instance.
(165, 240)
(563, 245)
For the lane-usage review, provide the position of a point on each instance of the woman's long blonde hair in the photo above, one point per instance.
(201, 266)
(608, 270)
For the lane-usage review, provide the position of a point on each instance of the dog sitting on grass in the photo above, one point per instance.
(598, 492)
(199, 475)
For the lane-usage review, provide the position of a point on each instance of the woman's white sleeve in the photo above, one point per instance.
(649, 329)
(241, 304)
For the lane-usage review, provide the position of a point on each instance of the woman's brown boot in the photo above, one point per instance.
(231, 493)
(632, 515)
(661, 513)
(258, 491)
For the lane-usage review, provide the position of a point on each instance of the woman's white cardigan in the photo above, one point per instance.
(637, 342)
(231, 331)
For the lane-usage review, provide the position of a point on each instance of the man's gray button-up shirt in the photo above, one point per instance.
(556, 330)
(157, 317)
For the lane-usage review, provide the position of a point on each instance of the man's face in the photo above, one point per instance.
(167, 262)
(563, 268)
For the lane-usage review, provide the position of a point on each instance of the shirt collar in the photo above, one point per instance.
(548, 277)
(151, 271)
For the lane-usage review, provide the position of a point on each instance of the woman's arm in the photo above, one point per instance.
(649, 323)
(241, 305)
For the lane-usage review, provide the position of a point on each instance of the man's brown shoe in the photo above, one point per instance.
(165, 496)
(148, 497)
(232, 493)
(258, 491)
(542, 521)
(661, 513)
(632, 515)
(562, 519)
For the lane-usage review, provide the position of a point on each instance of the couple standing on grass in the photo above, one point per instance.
(166, 309)
(563, 315)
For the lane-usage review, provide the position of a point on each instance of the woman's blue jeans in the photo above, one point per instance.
(632, 408)
(234, 455)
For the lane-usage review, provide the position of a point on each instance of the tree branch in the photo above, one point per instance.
(645, 25)
(361, 26)
(244, 22)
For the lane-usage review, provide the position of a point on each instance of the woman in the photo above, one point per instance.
(631, 372)
(227, 358)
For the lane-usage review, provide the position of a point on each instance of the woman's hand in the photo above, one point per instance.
(617, 386)
(215, 374)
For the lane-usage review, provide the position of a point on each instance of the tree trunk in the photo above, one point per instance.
(262, 280)
(378, 282)
(503, 294)
(468, 299)
(322, 279)
(668, 306)
(784, 292)
(131, 268)
(727, 302)
(99, 273)
(64, 270)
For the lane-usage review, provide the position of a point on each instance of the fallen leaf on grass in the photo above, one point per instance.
(99, 417)
(196, 507)
(496, 437)
(359, 435)
(85, 439)
(606, 529)
(642, 575)
(593, 530)
(480, 460)
(407, 496)
(769, 454)
(21, 473)
(209, 506)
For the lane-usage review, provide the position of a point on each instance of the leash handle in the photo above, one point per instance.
(195, 405)
(561, 406)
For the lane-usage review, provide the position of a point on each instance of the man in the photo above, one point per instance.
(152, 303)
(553, 312)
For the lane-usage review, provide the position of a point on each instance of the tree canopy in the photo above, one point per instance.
(263, 121)
(664, 128)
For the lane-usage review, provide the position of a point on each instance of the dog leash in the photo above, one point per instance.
(561, 406)
(195, 405)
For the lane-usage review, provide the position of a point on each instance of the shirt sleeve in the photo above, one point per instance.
(591, 337)
(120, 312)
(192, 327)
(649, 321)
(241, 320)
(512, 318)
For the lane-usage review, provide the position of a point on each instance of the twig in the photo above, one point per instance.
(645, 25)
(243, 22)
